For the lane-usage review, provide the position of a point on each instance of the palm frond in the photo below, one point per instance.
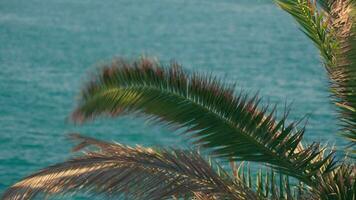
(137, 172)
(231, 126)
(314, 24)
(343, 73)
(269, 184)
(333, 33)
(326, 4)
(339, 184)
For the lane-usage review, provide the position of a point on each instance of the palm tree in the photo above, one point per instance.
(226, 126)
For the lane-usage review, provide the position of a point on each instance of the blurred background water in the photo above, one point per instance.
(48, 47)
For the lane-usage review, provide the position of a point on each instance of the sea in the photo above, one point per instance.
(49, 47)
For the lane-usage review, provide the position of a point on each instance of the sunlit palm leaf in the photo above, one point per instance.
(314, 25)
(343, 74)
(231, 126)
(333, 32)
(139, 173)
(269, 184)
(340, 184)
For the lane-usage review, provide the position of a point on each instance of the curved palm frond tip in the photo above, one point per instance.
(136, 172)
(231, 126)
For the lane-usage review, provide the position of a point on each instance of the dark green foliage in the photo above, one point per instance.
(340, 184)
(231, 126)
(270, 185)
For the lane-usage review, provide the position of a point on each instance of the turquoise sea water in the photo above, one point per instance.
(48, 47)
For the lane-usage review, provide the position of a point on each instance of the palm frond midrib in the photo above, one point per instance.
(220, 115)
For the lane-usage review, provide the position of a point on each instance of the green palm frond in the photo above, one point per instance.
(231, 126)
(339, 184)
(137, 172)
(269, 184)
(314, 24)
(333, 33)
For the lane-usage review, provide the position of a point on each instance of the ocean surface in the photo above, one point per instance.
(48, 47)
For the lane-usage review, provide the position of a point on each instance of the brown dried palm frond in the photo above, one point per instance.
(343, 73)
(140, 173)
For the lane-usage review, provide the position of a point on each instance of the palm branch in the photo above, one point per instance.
(343, 74)
(325, 4)
(269, 184)
(332, 30)
(314, 24)
(230, 126)
(339, 184)
(113, 169)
